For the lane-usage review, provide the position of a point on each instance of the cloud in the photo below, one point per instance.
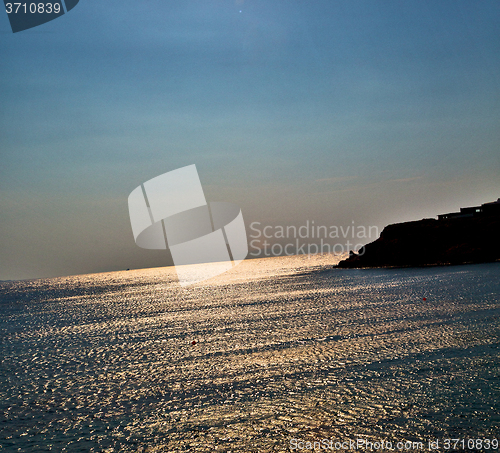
(414, 178)
(337, 179)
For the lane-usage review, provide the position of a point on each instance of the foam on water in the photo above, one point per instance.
(285, 348)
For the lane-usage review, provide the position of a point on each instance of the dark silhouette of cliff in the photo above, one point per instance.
(471, 236)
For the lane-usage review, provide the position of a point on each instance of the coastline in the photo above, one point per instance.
(452, 239)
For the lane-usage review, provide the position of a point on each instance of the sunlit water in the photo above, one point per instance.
(286, 348)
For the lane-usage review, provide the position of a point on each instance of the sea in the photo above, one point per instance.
(277, 355)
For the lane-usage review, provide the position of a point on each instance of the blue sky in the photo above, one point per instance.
(332, 111)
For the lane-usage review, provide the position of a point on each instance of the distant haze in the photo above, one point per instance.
(329, 111)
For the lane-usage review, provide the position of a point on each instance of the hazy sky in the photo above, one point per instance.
(375, 111)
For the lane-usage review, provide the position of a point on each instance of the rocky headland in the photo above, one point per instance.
(469, 236)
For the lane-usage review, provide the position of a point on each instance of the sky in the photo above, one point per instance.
(372, 112)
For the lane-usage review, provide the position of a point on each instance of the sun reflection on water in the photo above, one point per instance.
(283, 347)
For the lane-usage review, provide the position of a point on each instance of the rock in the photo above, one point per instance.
(426, 242)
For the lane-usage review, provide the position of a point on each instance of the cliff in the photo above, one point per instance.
(458, 240)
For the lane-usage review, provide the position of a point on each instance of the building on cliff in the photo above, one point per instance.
(491, 208)
(468, 236)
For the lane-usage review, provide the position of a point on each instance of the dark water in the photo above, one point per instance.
(286, 348)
